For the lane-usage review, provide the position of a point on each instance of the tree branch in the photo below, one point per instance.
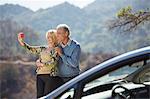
(128, 21)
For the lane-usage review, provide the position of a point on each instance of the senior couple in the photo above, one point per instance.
(58, 61)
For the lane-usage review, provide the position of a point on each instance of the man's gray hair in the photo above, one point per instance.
(64, 26)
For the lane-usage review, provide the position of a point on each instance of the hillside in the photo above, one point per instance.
(89, 22)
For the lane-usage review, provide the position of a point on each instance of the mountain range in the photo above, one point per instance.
(88, 25)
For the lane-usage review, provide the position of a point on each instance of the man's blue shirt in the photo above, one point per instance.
(69, 61)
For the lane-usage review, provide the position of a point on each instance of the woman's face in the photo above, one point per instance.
(49, 39)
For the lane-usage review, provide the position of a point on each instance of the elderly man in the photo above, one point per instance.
(69, 54)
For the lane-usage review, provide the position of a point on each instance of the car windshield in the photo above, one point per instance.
(115, 75)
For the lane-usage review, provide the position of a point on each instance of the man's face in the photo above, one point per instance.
(61, 35)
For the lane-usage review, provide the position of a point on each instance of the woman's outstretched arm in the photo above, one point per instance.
(31, 49)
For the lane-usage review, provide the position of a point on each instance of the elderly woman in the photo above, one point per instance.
(47, 79)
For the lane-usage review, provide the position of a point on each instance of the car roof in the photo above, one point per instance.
(138, 52)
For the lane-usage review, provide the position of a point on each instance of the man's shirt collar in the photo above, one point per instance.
(68, 43)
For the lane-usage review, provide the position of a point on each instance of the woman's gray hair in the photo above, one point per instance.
(65, 27)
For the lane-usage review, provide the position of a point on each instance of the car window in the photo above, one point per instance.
(144, 75)
(148, 61)
(112, 76)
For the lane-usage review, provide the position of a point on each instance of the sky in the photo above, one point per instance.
(37, 4)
